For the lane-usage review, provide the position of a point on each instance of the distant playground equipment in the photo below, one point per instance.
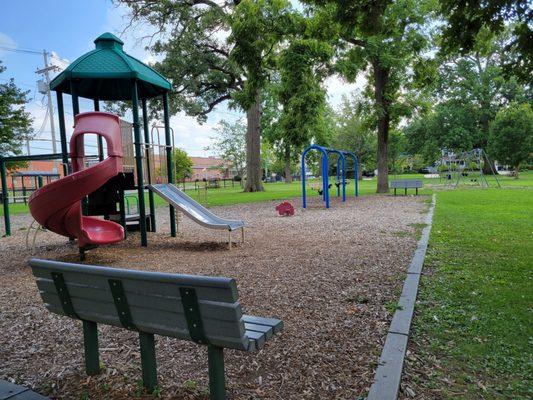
(465, 167)
(107, 73)
(341, 181)
(285, 209)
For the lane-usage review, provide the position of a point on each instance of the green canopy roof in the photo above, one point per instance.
(107, 73)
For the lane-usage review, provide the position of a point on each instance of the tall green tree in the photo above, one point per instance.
(230, 144)
(511, 135)
(182, 164)
(216, 52)
(353, 134)
(296, 111)
(387, 40)
(15, 121)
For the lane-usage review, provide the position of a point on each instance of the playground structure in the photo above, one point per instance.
(340, 175)
(465, 167)
(107, 73)
(29, 182)
(58, 205)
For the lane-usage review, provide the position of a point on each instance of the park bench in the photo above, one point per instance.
(406, 184)
(201, 309)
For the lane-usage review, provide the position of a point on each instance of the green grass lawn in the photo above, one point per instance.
(476, 299)
(281, 191)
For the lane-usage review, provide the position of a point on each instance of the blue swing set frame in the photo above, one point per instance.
(341, 172)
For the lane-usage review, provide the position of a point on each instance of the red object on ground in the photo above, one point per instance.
(57, 206)
(285, 209)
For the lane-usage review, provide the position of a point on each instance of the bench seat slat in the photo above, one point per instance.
(258, 337)
(266, 330)
(276, 324)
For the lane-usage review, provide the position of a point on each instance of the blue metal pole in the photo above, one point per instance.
(343, 179)
(356, 180)
(325, 179)
(304, 201)
(338, 176)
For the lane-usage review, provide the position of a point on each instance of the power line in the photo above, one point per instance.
(20, 50)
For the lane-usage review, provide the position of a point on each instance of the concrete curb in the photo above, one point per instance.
(389, 372)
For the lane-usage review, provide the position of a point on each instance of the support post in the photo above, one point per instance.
(90, 344)
(151, 202)
(139, 163)
(304, 200)
(356, 178)
(325, 179)
(217, 384)
(75, 99)
(170, 167)
(5, 198)
(99, 137)
(62, 133)
(148, 361)
(122, 210)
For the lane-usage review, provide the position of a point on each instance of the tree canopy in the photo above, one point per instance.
(511, 135)
(15, 121)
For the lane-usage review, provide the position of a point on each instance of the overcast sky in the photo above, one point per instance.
(67, 29)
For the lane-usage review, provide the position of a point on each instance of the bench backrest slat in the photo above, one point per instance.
(406, 184)
(153, 298)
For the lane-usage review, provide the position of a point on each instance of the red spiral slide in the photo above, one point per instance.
(57, 206)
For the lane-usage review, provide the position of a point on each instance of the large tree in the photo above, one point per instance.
(216, 52)
(511, 135)
(296, 108)
(15, 121)
(385, 39)
(230, 144)
(353, 134)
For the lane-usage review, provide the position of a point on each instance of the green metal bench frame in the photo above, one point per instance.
(55, 278)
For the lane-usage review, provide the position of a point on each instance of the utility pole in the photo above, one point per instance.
(46, 72)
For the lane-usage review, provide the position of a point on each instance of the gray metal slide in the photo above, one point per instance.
(193, 209)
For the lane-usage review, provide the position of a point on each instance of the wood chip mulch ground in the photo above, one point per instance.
(333, 276)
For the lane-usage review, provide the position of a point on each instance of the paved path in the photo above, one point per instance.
(10, 391)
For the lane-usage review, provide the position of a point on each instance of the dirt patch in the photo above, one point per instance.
(330, 275)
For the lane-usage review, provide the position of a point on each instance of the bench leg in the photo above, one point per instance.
(90, 344)
(217, 385)
(416, 191)
(395, 191)
(148, 362)
(406, 191)
(229, 240)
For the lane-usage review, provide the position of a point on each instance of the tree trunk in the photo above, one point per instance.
(253, 147)
(488, 165)
(516, 170)
(381, 76)
(288, 173)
